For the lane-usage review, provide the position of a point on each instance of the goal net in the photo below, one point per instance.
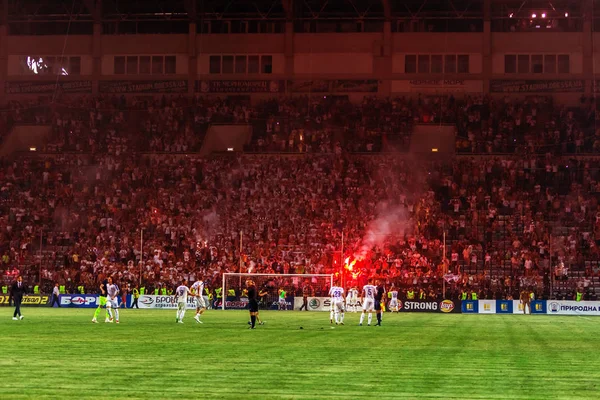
(235, 296)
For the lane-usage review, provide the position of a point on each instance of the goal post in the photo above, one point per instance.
(271, 283)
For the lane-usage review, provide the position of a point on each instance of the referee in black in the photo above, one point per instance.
(378, 298)
(252, 302)
(17, 291)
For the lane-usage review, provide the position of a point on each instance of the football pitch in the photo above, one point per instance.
(60, 354)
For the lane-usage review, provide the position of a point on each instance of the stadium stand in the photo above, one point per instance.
(332, 128)
(512, 220)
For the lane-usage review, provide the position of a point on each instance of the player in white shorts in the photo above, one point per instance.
(112, 300)
(331, 308)
(198, 292)
(337, 302)
(393, 305)
(181, 294)
(352, 299)
(368, 302)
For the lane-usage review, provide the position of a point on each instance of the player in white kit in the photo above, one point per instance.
(337, 302)
(393, 305)
(112, 300)
(352, 299)
(181, 294)
(331, 308)
(198, 292)
(368, 302)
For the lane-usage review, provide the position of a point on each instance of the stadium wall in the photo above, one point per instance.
(399, 63)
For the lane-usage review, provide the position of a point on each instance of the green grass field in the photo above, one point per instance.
(60, 354)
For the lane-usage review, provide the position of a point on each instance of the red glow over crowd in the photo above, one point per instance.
(524, 212)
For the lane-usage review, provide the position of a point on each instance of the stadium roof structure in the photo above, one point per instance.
(88, 10)
(30, 17)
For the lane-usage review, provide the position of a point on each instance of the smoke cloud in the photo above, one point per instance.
(390, 220)
(210, 224)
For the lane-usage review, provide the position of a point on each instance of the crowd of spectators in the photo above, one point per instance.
(326, 124)
(121, 174)
(499, 217)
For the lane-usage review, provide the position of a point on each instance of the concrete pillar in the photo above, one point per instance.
(588, 48)
(289, 50)
(96, 56)
(382, 60)
(192, 59)
(3, 50)
(487, 46)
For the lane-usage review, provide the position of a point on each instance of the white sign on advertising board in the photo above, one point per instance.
(319, 303)
(487, 306)
(570, 307)
(163, 302)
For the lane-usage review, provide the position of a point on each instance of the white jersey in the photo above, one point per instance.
(394, 300)
(336, 293)
(369, 292)
(337, 298)
(353, 293)
(182, 293)
(198, 288)
(112, 290)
